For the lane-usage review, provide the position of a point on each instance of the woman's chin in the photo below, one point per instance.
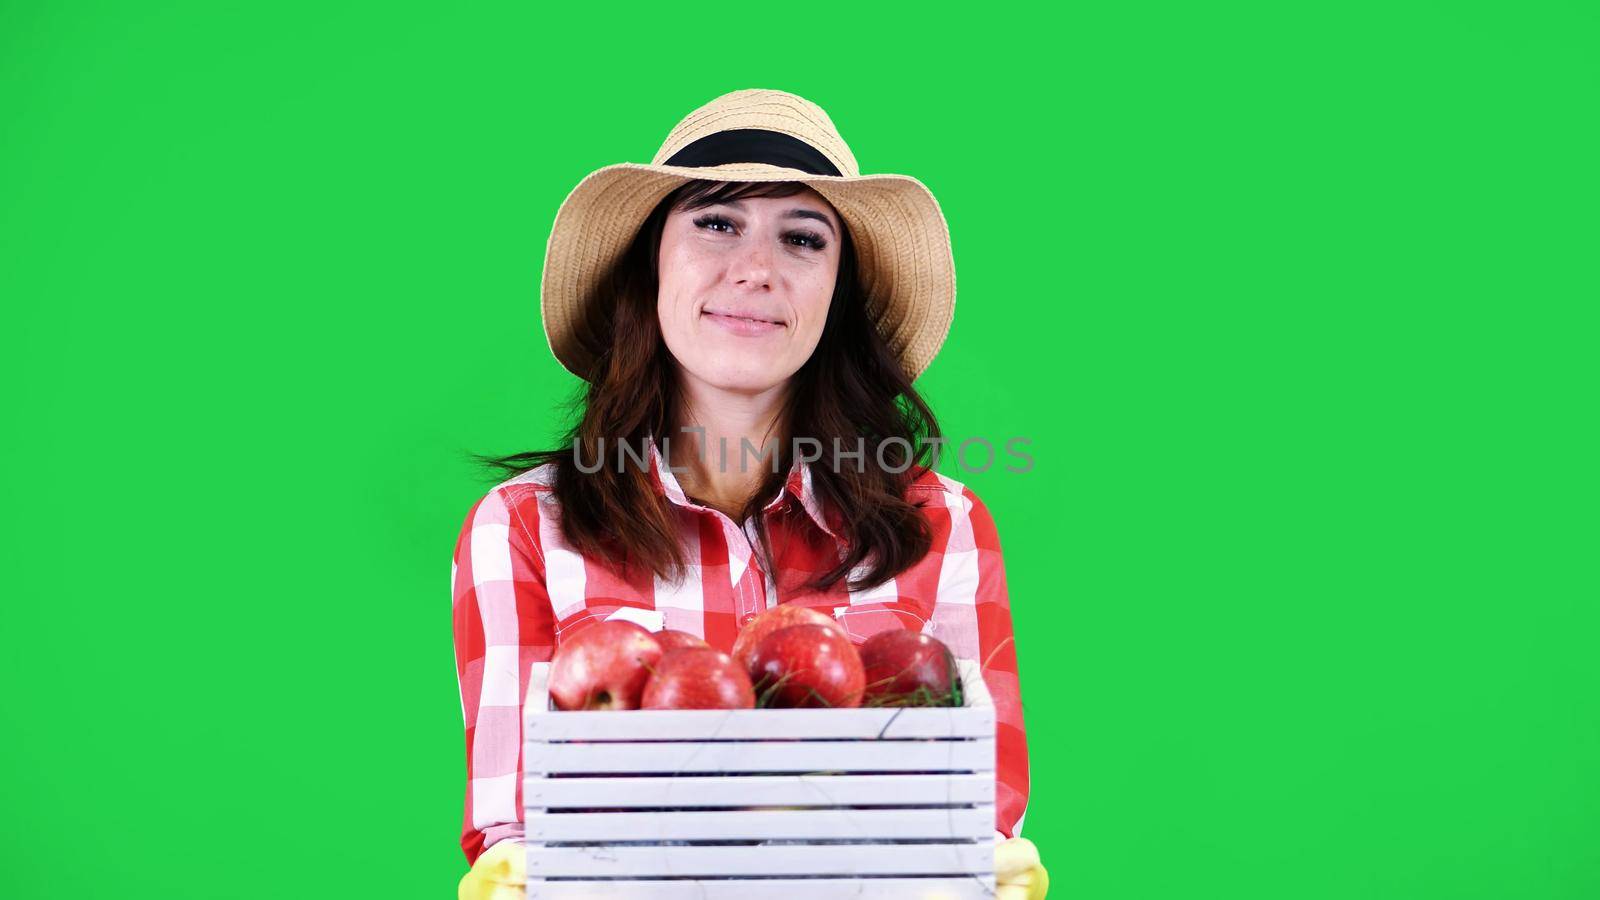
(755, 378)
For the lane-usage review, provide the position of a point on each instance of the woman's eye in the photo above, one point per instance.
(713, 222)
(807, 239)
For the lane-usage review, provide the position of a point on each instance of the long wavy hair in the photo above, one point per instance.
(852, 389)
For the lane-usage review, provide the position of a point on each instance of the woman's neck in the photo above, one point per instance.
(724, 445)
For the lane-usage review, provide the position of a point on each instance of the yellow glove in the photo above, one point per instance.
(1018, 875)
(499, 874)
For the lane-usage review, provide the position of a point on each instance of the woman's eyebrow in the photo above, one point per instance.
(810, 214)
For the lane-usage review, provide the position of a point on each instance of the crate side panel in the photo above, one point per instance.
(965, 823)
(960, 888)
(773, 859)
(759, 790)
(973, 685)
(776, 756)
(758, 724)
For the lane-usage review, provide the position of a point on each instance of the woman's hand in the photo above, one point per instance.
(499, 874)
(1018, 874)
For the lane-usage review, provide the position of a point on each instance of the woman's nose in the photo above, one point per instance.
(753, 266)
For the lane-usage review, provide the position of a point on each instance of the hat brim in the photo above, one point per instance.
(901, 240)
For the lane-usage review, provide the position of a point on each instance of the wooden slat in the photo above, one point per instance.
(758, 790)
(760, 756)
(968, 888)
(747, 724)
(975, 689)
(961, 823)
(772, 860)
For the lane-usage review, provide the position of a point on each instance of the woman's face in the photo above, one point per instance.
(745, 287)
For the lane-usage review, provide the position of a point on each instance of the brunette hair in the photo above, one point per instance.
(852, 390)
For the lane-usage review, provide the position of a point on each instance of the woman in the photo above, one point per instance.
(749, 313)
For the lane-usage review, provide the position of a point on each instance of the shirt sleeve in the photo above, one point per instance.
(503, 624)
(973, 618)
(998, 655)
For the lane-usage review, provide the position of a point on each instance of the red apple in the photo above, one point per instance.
(905, 668)
(671, 640)
(698, 678)
(785, 616)
(807, 665)
(604, 666)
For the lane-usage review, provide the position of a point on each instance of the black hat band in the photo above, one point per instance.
(754, 145)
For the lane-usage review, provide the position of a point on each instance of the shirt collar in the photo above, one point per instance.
(798, 484)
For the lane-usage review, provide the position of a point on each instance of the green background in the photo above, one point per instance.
(1294, 301)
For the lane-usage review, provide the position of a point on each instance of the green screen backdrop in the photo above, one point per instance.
(1294, 302)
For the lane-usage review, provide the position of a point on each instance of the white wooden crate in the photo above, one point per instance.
(760, 804)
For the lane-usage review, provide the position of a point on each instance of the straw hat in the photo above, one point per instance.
(900, 236)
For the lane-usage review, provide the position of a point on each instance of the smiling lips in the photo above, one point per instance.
(743, 325)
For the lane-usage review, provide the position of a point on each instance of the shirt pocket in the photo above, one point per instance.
(863, 620)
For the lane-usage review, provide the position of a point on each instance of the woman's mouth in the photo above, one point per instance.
(742, 325)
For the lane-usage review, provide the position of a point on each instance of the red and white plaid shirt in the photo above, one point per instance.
(518, 588)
